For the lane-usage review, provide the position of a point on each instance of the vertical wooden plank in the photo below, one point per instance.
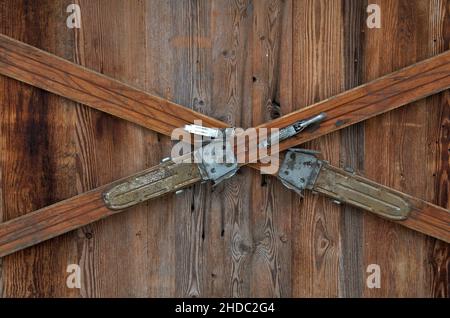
(2, 294)
(191, 45)
(438, 145)
(37, 153)
(400, 147)
(438, 189)
(160, 32)
(232, 61)
(351, 280)
(271, 212)
(216, 255)
(227, 239)
(113, 251)
(230, 228)
(317, 74)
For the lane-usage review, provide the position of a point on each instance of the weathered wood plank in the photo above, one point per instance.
(317, 74)
(161, 219)
(438, 135)
(398, 153)
(233, 59)
(113, 148)
(417, 221)
(191, 45)
(61, 77)
(1, 220)
(150, 233)
(351, 279)
(379, 96)
(270, 218)
(225, 64)
(37, 156)
(440, 191)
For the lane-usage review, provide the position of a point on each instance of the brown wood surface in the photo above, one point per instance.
(38, 68)
(408, 149)
(225, 242)
(56, 219)
(82, 210)
(351, 278)
(355, 105)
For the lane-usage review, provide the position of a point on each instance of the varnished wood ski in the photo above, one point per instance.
(53, 220)
(392, 91)
(31, 65)
(89, 207)
(49, 72)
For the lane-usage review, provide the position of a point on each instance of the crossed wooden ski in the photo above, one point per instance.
(51, 73)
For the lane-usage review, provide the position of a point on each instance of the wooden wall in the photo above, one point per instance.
(231, 60)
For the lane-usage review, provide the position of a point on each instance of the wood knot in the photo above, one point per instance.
(273, 109)
(244, 248)
(228, 54)
(323, 241)
(198, 102)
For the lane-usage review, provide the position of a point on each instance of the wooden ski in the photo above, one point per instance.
(31, 65)
(81, 210)
(41, 69)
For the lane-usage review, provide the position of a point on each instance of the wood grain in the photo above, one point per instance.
(317, 74)
(37, 156)
(415, 222)
(160, 226)
(113, 252)
(438, 160)
(404, 152)
(351, 278)
(226, 224)
(38, 68)
(1, 220)
(192, 25)
(72, 213)
(377, 97)
(145, 240)
(270, 220)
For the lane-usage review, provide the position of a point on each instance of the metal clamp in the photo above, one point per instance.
(292, 130)
(301, 171)
(216, 161)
